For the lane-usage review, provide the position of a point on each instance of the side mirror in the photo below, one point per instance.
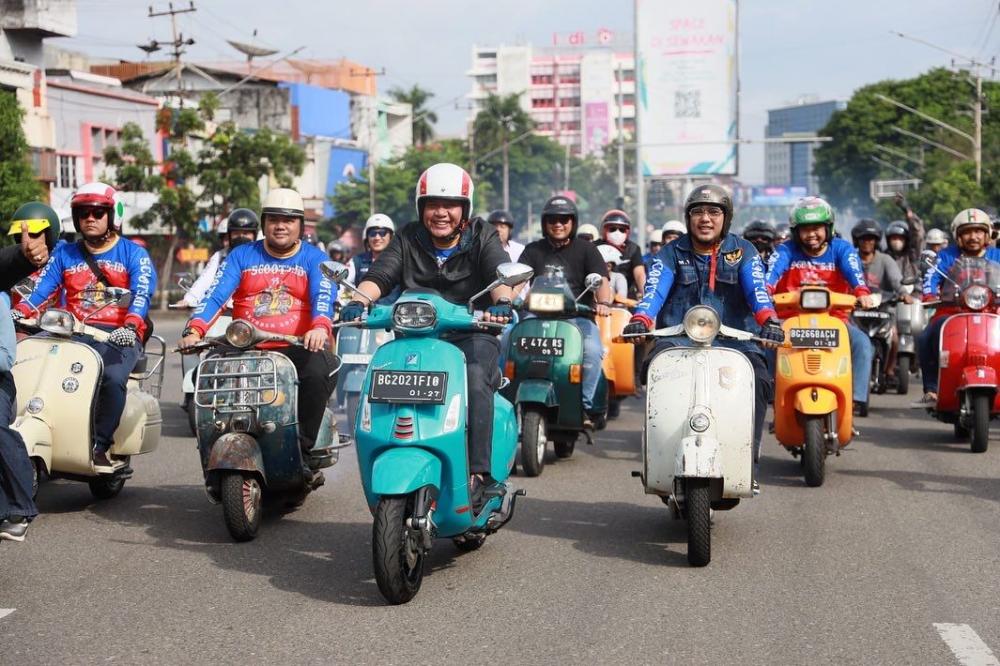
(511, 274)
(24, 287)
(121, 297)
(593, 281)
(928, 259)
(184, 280)
(334, 271)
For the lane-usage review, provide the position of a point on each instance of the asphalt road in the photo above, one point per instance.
(894, 560)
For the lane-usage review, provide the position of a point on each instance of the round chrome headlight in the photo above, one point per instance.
(239, 334)
(701, 324)
(58, 322)
(976, 297)
(700, 422)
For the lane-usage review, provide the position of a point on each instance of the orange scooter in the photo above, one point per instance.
(813, 406)
(619, 357)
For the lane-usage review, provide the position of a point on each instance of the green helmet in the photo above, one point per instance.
(812, 210)
(33, 217)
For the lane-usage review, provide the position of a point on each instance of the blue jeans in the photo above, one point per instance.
(16, 471)
(593, 354)
(862, 353)
(118, 364)
(927, 348)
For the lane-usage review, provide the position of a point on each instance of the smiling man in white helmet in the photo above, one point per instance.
(447, 252)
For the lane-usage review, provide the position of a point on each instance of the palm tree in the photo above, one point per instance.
(423, 120)
(499, 121)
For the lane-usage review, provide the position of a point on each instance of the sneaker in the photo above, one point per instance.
(477, 493)
(929, 400)
(101, 461)
(588, 422)
(13, 531)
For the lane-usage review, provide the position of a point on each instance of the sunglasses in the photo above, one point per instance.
(555, 221)
(95, 212)
(616, 227)
(372, 233)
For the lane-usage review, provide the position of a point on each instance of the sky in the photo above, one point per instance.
(788, 48)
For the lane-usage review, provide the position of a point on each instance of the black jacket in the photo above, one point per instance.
(575, 260)
(410, 262)
(14, 266)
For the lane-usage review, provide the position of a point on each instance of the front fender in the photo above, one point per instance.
(815, 401)
(978, 376)
(539, 391)
(236, 451)
(402, 470)
(37, 438)
(699, 456)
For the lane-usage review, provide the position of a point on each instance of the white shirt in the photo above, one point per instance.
(514, 250)
(196, 294)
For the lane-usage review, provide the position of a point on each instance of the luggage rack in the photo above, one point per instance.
(230, 384)
(151, 379)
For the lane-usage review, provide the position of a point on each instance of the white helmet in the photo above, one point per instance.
(99, 195)
(222, 227)
(610, 254)
(589, 229)
(380, 221)
(656, 236)
(445, 181)
(283, 201)
(674, 227)
(936, 237)
(971, 217)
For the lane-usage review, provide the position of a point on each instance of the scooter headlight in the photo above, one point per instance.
(700, 422)
(239, 334)
(414, 315)
(976, 297)
(701, 324)
(814, 299)
(58, 322)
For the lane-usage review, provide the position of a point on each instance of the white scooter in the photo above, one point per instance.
(699, 458)
(57, 379)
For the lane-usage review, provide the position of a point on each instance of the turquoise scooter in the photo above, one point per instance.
(411, 435)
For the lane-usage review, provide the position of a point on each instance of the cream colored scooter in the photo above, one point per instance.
(697, 441)
(57, 379)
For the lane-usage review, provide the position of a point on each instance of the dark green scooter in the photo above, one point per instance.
(544, 364)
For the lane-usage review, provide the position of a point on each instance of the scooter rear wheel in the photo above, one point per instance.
(981, 403)
(192, 414)
(564, 447)
(397, 556)
(903, 377)
(814, 453)
(698, 507)
(533, 441)
(241, 504)
(106, 486)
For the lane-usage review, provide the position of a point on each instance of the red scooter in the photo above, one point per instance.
(970, 350)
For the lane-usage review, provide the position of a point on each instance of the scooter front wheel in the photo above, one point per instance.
(241, 500)
(981, 403)
(533, 441)
(814, 453)
(698, 508)
(397, 555)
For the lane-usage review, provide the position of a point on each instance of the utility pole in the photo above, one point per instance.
(177, 44)
(977, 114)
(640, 191)
(621, 141)
(566, 170)
(372, 124)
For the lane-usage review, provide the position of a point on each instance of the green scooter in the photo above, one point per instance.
(545, 368)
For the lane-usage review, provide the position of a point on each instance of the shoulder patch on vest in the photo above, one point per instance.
(733, 258)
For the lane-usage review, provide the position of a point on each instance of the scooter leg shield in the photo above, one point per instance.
(978, 376)
(37, 438)
(236, 451)
(400, 471)
(815, 401)
(700, 457)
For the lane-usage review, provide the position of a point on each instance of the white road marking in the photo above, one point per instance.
(4, 612)
(967, 646)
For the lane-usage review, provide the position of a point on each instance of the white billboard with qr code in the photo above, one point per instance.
(688, 83)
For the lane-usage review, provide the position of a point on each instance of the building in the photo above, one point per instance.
(576, 91)
(791, 164)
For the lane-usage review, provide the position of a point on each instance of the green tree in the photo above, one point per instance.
(423, 120)
(17, 182)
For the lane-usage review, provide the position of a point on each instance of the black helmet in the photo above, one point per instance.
(760, 229)
(336, 247)
(711, 195)
(560, 205)
(501, 217)
(866, 228)
(898, 228)
(242, 219)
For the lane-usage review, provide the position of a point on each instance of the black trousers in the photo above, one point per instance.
(482, 368)
(315, 387)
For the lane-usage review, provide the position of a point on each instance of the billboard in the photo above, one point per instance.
(782, 196)
(596, 120)
(346, 164)
(687, 85)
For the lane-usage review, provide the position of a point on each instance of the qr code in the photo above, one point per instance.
(687, 104)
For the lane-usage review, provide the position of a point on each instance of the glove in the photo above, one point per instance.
(124, 336)
(353, 311)
(772, 331)
(501, 308)
(636, 327)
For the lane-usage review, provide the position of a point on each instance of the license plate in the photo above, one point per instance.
(408, 386)
(541, 346)
(363, 359)
(814, 337)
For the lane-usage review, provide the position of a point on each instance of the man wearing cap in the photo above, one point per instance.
(503, 222)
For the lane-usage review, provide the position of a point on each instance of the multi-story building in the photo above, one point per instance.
(575, 94)
(791, 164)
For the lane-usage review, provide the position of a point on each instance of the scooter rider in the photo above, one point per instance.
(711, 266)
(814, 257)
(934, 243)
(881, 272)
(503, 222)
(448, 252)
(276, 285)
(615, 226)
(762, 235)
(589, 233)
(241, 227)
(971, 229)
(103, 258)
(904, 240)
(558, 248)
(673, 230)
(379, 231)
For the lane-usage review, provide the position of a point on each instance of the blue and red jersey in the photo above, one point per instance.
(839, 269)
(125, 264)
(289, 296)
(946, 259)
